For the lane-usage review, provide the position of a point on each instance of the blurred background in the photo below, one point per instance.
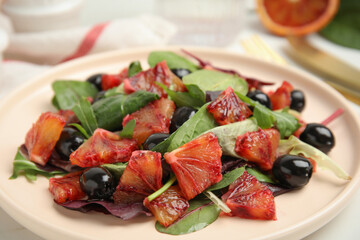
(38, 34)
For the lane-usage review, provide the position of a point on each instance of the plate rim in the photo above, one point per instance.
(322, 217)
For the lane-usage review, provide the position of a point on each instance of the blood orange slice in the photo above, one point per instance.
(196, 164)
(296, 17)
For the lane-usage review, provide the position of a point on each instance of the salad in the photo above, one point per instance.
(183, 142)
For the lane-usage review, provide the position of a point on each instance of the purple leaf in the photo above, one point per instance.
(123, 211)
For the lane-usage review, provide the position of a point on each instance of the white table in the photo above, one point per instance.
(344, 226)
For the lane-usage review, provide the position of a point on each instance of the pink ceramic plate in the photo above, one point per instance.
(299, 213)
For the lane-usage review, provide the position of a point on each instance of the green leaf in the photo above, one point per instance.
(282, 120)
(134, 68)
(116, 169)
(81, 129)
(68, 92)
(200, 214)
(182, 99)
(110, 111)
(228, 133)
(22, 166)
(85, 114)
(227, 179)
(344, 29)
(262, 177)
(192, 128)
(55, 103)
(115, 91)
(208, 80)
(295, 146)
(128, 130)
(172, 60)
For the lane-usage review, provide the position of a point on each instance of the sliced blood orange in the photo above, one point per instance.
(282, 96)
(296, 17)
(142, 176)
(248, 198)
(168, 207)
(196, 164)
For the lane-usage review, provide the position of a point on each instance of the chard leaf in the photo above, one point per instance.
(110, 111)
(192, 128)
(134, 68)
(295, 146)
(68, 92)
(284, 121)
(128, 130)
(209, 80)
(182, 99)
(22, 166)
(85, 114)
(262, 177)
(81, 129)
(172, 60)
(227, 134)
(227, 179)
(116, 169)
(200, 214)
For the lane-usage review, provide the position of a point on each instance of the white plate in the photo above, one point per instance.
(299, 213)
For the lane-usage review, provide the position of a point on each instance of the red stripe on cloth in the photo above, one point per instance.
(88, 42)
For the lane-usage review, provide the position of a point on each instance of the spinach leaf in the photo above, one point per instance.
(227, 179)
(128, 129)
(110, 111)
(22, 166)
(208, 80)
(68, 92)
(192, 128)
(344, 29)
(172, 60)
(228, 133)
(262, 177)
(85, 114)
(134, 68)
(282, 120)
(182, 99)
(200, 214)
(116, 169)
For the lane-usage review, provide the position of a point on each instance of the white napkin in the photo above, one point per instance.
(54, 46)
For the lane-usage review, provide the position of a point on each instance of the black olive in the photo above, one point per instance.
(319, 136)
(180, 72)
(292, 171)
(260, 97)
(97, 183)
(154, 139)
(181, 115)
(96, 80)
(297, 99)
(70, 140)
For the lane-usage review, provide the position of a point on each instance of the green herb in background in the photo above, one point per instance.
(344, 29)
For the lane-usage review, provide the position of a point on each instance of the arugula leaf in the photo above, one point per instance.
(192, 128)
(22, 166)
(172, 60)
(283, 121)
(208, 80)
(128, 130)
(110, 111)
(200, 214)
(182, 99)
(68, 92)
(81, 129)
(134, 68)
(85, 114)
(228, 133)
(344, 29)
(227, 179)
(262, 177)
(295, 146)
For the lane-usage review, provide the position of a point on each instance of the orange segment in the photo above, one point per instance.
(296, 17)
